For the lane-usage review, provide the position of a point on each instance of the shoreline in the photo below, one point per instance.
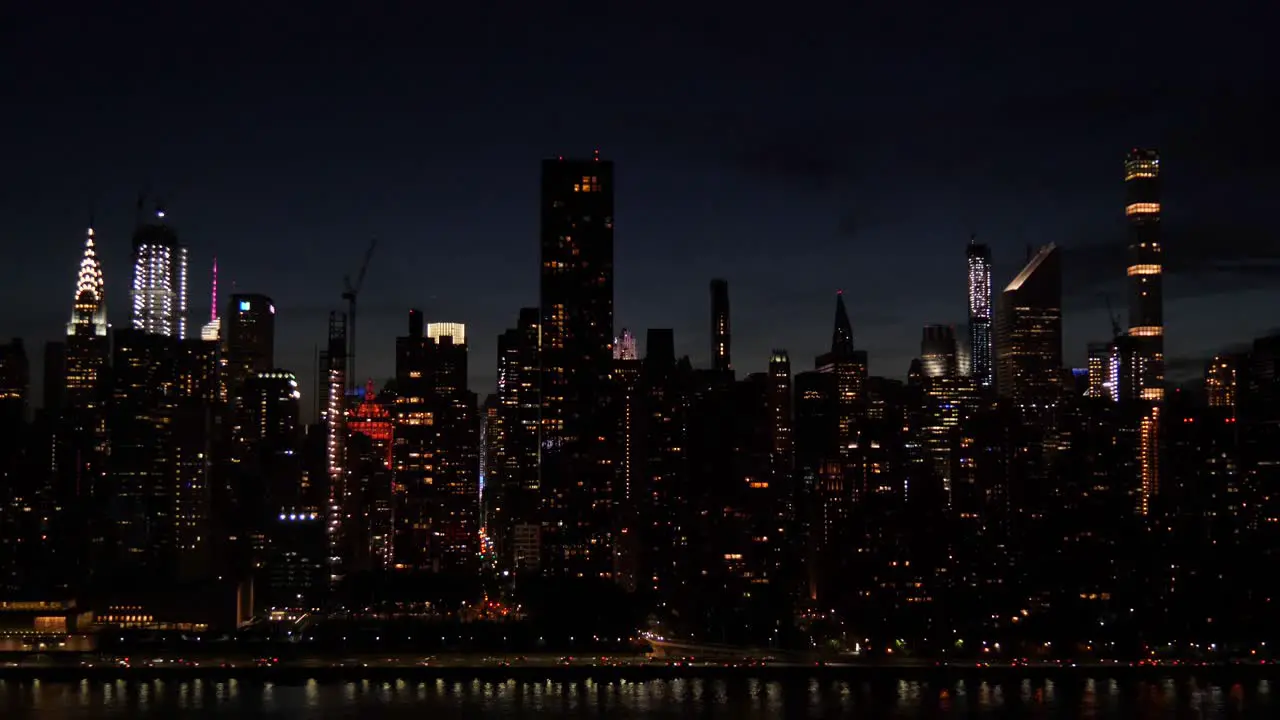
(295, 673)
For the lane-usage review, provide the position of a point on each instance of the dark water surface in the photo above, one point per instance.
(740, 699)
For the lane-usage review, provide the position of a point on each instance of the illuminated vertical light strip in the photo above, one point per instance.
(980, 314)
(1149, 457)
(1113, 375)
(182, 293)
(213, 303)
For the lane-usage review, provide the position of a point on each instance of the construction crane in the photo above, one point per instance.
(350, 291)
(1115, 321)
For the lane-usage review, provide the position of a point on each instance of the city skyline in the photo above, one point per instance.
(787, 206)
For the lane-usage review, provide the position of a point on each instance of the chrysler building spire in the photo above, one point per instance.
(90, 305)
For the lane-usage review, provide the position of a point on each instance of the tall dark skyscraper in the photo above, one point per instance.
(576, 301)
(249, 334)
(1029, 332)
(720, 357)
(159, 280)
(266, 478)
(850, 368)
(1145, 271)
(979, 257)
(436, 452)
(513, 484)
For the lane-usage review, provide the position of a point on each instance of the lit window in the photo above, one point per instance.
(1144, 270)
(1148, 208)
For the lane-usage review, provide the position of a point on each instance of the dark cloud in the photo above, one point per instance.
(1201, 260)
(1185, 367)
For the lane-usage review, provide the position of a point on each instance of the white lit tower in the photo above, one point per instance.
(159, 280)
(980, 339)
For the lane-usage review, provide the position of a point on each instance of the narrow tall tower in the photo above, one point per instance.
(842, 332)
(980, 348)
(159, 280)
(212, 330)
(1145, 271)
(720, 358)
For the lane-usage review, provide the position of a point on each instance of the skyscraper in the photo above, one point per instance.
(850, 368)
(939, 355)
(436, 454)
(249, 338)
(720, 358)
(212, 330)
(1145, 271)
(979, 257)
(516, 489)
(340, 511)
(86, 348)
(159, 280)
(90, 306)
(1029, 332)
(576, 299)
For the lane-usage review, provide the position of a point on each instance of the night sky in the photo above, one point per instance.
(792, 151)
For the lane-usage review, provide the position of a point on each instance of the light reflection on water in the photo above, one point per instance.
(743, 699)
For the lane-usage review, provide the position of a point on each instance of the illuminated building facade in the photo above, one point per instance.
(1104, 372)
(415, 414)
(720, 357)
(576, 301)
(1029, 333)
(1221, 381)
(159, 290)
(436, 457)
(624, 346)
(370, 465)
(249, 338)
(980, 340)
(1149, 459)
(1145, 271)
(939, 354)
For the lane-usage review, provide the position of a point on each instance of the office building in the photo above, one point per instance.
(159, 291)
(1029, 333)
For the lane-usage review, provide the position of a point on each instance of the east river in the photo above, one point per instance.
(739, 698)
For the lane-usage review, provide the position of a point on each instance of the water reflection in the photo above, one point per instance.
(738, 698)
